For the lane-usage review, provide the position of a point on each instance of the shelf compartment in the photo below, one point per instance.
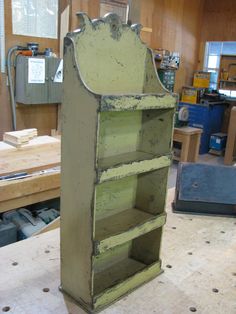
(134, 275)
(117, 167)
(137, 102)
(142, 134)
(122, 268)
(124, 226)
(144, 192)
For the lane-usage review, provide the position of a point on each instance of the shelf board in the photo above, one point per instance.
(228, 81)
(121, 278)
(137, 102)
(124, 226)
(120, 166)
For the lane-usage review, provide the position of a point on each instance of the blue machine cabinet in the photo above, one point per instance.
(207, 117)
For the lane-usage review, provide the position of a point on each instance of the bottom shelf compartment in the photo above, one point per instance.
(134, 275)
(116, 273)
(123, 268)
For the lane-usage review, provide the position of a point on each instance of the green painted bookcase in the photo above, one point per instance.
(117, 123)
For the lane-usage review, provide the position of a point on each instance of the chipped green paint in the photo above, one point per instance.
(114, 293)
(150, 224)
(134, 168)
(116, 149)
(118, 133)
(114, 197)
(115, 67)
(134, 102)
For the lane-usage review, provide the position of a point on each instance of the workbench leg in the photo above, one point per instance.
(230, 145)
(185, 148)
(194, 147)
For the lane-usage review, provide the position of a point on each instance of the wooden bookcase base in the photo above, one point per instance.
(111, 295)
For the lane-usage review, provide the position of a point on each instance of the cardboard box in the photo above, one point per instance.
(218, 141)
(201, 79)
(191, 94)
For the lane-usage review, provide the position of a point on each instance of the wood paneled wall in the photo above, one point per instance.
(219, 24)
(176, 27)
(219, 21)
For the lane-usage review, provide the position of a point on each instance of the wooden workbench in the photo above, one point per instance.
(200, 249)
(41, 153)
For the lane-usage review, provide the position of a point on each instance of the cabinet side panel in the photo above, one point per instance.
(79, 133)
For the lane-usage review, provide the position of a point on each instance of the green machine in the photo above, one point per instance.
(116, 152)
(167, 78)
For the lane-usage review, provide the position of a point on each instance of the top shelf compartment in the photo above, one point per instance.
(137, 102)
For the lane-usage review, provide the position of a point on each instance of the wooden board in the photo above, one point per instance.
(30, 158)
(198, 265)
(187, 130)
(21, 192)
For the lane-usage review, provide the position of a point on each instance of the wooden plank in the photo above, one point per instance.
(78, 158)
(120, 170)
(39, 140)
(134, 102)
(30, 159)
(29, 199)
(123, 227)
(22, 187)
(187, 130)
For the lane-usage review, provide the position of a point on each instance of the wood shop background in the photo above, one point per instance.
(194, 57)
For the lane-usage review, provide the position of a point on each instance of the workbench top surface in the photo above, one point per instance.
(188, 130)
(198, 267)
(41, 153)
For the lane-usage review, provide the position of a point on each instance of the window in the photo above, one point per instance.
(213, 50)
(37, 18)
(119, 7)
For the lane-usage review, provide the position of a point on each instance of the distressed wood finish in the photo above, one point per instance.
(116, 151)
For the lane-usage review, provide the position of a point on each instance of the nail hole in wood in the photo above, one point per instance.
(46, 289)
(192, 309)
(222, 231)
(173, 227)
(208, 242)
(234, 274)
(190, 253)
(215, 290)
(168, 266)
(47, 251)
(14, 264)
(6, 309)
